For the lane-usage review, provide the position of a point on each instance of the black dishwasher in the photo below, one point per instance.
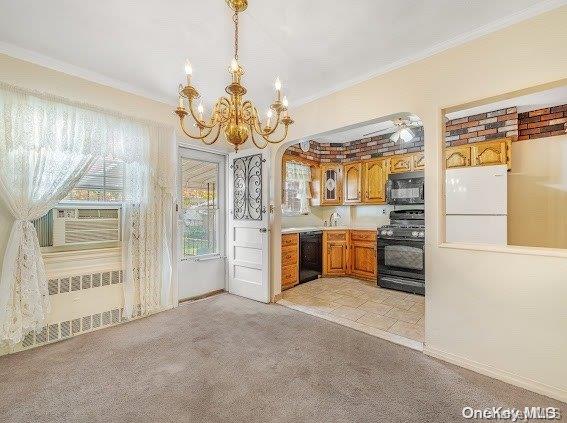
(310, 255)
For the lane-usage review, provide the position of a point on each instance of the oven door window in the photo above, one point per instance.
(403, 257)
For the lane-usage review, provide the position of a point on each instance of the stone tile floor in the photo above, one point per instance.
(386, 313)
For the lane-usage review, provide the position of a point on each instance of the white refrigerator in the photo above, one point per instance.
(476, 205)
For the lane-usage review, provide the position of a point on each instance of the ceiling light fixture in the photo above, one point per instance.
(238, 118)
(402, 131)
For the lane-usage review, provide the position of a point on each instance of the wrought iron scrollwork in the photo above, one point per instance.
(248, 187)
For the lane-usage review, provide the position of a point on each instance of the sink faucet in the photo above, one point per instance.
(333, 219)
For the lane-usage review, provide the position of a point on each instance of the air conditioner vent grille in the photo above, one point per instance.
(89, 226)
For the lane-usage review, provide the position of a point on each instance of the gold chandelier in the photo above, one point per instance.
(236, 117)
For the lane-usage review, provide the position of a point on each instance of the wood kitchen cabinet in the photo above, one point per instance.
(407, 163)
(459, 156)
(331, 184)
(491, 153)
(375, 176)
(419, 161)
(485, 153)
(290, 260)
(401, 164)
(363, 254)
(352, 182)
(335, 253)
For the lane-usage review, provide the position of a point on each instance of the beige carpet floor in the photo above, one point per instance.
(228, 359)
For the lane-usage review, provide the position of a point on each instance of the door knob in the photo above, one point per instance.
(263, 230)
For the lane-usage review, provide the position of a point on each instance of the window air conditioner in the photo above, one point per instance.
(85, 226)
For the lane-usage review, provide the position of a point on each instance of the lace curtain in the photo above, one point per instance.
(147, 209)
(46, 145)
(297, 189)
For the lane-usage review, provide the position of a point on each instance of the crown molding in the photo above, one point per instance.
(522, 15)
(67, 68)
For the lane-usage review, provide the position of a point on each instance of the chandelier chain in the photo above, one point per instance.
(235, 19)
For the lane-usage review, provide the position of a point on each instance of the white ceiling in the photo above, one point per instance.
(315, 46)
(524, 103)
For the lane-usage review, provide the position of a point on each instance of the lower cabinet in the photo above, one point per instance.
(290, 260)
(349, 253)
(363, 254)
(335, 253)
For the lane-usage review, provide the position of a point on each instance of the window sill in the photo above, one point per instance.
(78, 262)
(508, 249)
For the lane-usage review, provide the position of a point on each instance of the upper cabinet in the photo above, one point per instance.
(331, 184)
(419, 161)
(457, 156)
(352, 182)
(375, 175)
(361, 182)
(401, 164)
(407, 163)
(491, 153)
(484, 153)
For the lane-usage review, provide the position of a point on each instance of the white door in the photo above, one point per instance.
(248, 219)
(201, 223)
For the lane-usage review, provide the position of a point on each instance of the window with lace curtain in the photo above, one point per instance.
(296, 189)
(89, 216)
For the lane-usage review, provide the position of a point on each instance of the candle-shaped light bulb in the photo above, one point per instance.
(188, 68)
(278, 84)
(285, 104)
(200, 109)
(180, 102)
(188, 71)
(234, 65)
(269, 114)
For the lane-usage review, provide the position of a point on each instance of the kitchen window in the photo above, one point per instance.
(296, 189)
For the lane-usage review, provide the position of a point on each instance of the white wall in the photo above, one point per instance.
(502, 313)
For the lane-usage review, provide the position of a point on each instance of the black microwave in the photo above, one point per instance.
(406, 188)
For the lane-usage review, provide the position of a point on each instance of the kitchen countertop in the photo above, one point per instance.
(328, 228)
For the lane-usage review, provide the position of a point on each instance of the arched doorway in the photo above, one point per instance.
(333, 199)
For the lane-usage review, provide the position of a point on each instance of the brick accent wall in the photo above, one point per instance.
(482, 127)
(543, 123)
(362, 149)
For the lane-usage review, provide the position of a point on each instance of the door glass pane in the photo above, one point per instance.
(199, 206)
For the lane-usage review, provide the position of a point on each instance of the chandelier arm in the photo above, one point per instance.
(195, 137)
(199, 121)
(276, 141)
(254, 139)
(207, 142)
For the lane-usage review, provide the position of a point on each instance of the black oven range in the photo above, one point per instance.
(401, 252)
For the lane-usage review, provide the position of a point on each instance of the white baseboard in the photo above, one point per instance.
(487, 370)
